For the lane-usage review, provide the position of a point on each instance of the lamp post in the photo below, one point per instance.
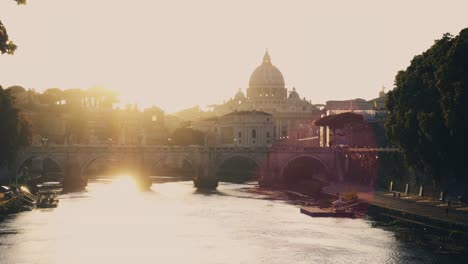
(44, 141)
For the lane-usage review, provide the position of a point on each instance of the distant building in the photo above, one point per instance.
(130, 127)
(172, 122)
(291, 116)
(50, 125)
(348, 105)
(239, 129)
(155, 131)
(373, 112)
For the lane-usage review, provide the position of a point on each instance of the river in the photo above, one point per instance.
(173, 223)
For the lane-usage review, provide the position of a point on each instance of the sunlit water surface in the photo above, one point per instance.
(114, 223)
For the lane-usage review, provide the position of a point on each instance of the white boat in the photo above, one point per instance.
(50, 186)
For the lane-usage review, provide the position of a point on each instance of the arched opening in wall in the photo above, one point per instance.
(238, 169)
(100, 168)
(172, 169)
(119, 169)
(305, 174)
(38, 169)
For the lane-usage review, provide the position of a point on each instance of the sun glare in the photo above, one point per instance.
(125, 182)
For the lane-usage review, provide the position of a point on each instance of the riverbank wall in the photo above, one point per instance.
(375, 209)
(455, 232)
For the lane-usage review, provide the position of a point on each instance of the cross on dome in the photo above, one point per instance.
(266, 58)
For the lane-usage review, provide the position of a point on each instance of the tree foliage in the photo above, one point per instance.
(62, 115)
(6, 45)
(428, 110)
(339, 121)
(15, 128)
(187, 136)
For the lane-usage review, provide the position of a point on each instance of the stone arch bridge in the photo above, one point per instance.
(272, 163)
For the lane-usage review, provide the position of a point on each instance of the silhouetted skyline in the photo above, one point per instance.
(183, 53)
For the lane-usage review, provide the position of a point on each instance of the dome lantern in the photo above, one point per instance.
(239, 95)
(294, 95)
(266, 58)
(266, 75)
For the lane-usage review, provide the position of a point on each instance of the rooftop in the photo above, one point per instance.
(251, 112)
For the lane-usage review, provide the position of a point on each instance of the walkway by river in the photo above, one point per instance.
(413, 204)
(174, 223)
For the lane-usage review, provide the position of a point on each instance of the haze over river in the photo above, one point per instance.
(115, 223)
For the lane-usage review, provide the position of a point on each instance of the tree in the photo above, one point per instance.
(6, 45)
(15, 129)
(73, 97)
(53, 96)
(187, 136)
(102, 97)
(428, 112)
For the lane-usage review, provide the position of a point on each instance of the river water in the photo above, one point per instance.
(115, 223)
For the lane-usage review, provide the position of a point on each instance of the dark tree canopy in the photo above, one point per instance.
(15, 128)
(428, 110)
(6, 45)
(187, 136)
(339, 121)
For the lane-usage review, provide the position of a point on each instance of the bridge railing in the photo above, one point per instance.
(285, 148)
(373, 149)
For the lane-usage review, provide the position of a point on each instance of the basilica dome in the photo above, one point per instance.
(239, 95)
(294, 95)
(266, 75)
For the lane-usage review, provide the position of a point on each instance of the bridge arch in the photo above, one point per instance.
(238, 168)
(85, 165)
(174, 165)
(305, 169)
(21, 164)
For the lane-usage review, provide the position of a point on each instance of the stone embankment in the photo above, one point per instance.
(422, 212)
(455, 212)
(432, 219)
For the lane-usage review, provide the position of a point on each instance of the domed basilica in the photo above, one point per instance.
(292, 115)
(267, 92)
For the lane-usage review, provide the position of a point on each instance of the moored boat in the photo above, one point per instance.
(47, 199)
(47, 194)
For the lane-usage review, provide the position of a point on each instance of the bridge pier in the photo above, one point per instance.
(269, 177)
(205, 180)
(340, 166)
(72, 180)
(142, 175)
(269, 171)
(205, 177)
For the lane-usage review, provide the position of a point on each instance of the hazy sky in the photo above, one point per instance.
(177, 54)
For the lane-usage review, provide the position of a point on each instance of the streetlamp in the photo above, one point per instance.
(44, 141)
(169, 140)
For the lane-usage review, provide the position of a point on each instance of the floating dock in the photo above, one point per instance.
(317, 212)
